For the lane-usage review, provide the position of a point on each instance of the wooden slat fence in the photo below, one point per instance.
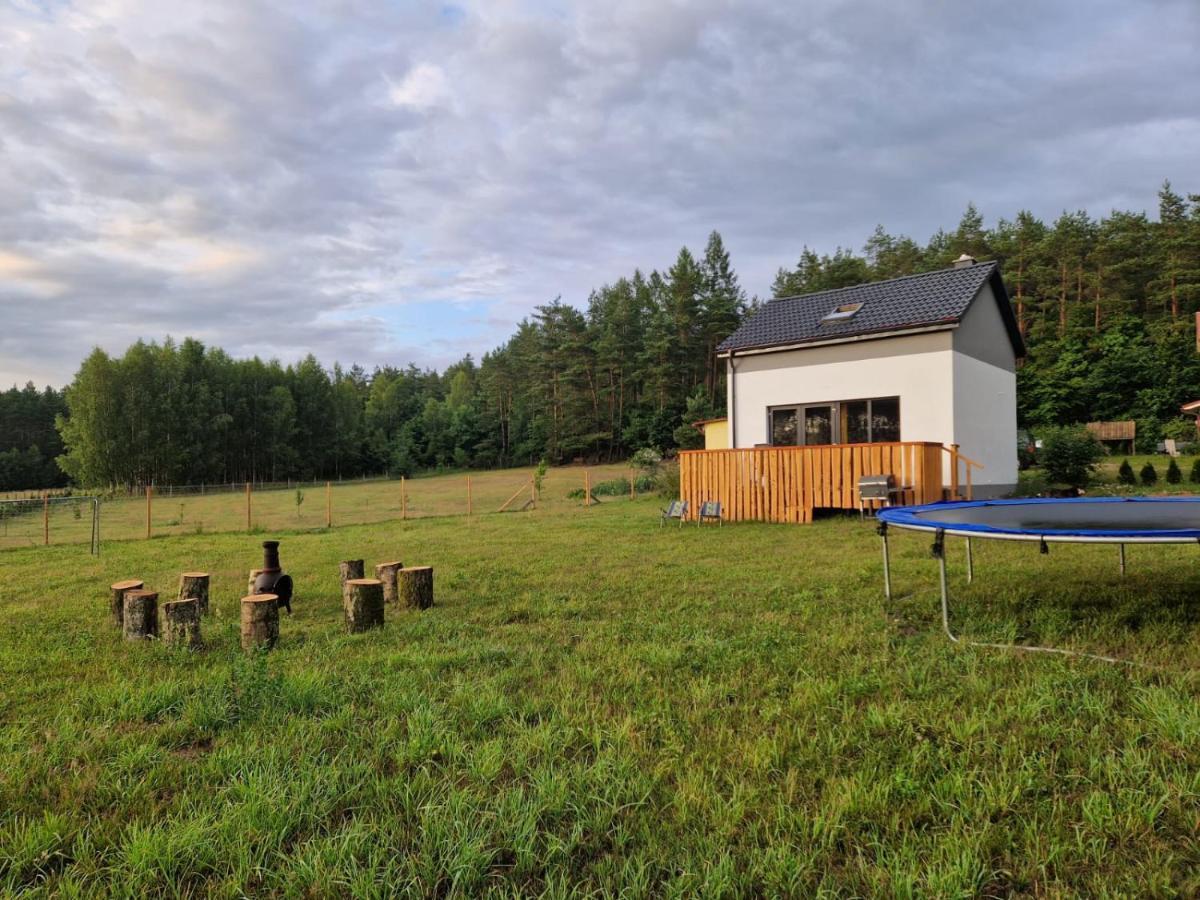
(785, 484)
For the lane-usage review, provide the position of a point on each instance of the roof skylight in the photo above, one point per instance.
(843, 312)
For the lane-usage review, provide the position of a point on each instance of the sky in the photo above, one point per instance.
(386, 183)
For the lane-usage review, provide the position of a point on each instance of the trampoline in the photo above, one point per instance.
(1091, 520)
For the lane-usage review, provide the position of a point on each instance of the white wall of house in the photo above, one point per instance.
(955, 386)
(985, 395)
(917, 368)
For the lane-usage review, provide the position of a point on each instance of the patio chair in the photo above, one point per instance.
(677, 510)
(710, 510)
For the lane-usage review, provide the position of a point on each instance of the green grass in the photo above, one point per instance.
(597, 706)
(352, 502)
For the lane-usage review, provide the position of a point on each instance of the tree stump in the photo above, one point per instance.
(181, 622)
(195, 584)
(364, 604)
(347, 569)
(414, 586)
(260, 621)
(386, 572)
(118, 598)
(254, 573)
(141, 615)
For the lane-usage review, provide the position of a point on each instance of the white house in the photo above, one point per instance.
(929, 357)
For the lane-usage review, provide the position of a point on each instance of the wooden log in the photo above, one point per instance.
(260, 621)
(254, 573)
(181, 623)
(195, 585)
(386, 572)
(350, 568)
(364, 604)
(118, 598)
(414, 586)
(141, 615)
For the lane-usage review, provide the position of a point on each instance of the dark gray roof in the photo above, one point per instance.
(914, 301)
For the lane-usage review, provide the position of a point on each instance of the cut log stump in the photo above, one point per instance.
(364, 604)
(118, 598)
(195, 585)
(181, 622)
(414, 586)
(386, 572)
(141, 615)
(348, 569)
(260, 621)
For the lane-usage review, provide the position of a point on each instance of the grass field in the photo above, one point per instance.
(353, 502)
(597, 706)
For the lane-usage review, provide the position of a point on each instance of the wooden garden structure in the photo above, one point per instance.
(785, 484)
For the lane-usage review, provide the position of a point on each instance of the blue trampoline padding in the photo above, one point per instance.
(1090, 517)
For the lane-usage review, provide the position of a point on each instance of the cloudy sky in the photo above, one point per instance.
(386, 182)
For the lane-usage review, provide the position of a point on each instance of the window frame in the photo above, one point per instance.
(836, 424)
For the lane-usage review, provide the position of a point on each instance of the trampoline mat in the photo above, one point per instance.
(1097, 517)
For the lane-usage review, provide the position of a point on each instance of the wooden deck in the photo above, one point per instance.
(785, 484)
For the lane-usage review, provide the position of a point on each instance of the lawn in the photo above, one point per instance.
(223, 507)
(597, 705)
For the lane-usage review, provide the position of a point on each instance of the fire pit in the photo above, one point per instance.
(272, 580)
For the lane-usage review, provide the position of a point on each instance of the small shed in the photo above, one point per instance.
(715, 431)
(1115, 435)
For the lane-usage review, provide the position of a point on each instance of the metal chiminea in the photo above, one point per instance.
(272, 580)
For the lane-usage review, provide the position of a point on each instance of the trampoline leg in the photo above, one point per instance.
(1121, 548)
(887, 569)
(945, 598)
(970, 563)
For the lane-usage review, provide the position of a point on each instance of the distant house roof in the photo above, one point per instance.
(1193, 407)
(1113, 431)
(877, 309)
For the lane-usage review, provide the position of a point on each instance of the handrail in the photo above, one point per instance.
(966, 459)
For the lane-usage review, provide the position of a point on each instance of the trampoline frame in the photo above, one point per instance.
(905, 518)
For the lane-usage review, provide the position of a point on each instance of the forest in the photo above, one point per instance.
(1106, 305)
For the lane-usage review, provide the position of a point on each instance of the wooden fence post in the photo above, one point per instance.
(46, 518)
(328, 505)
(587, 488)
(954, 471)
(249, 526)
(149, 503)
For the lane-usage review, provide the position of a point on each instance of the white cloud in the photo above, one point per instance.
(425, 86)
(225, 167)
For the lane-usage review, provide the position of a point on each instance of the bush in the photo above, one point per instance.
(1125, 473)
(1194, 477)
(1149, 475)
(1174, 476)
(1069, 455)
(647, 459)
(1179, 430)
(616, 487)
(667, 480)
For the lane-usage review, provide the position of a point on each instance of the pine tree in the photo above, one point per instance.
(1125, 473)
(1174, 476)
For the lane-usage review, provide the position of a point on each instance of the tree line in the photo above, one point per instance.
(1105, 304)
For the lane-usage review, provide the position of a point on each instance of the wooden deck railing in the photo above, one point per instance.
(785, 484)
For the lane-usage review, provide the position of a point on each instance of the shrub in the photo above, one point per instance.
(667, 480)
(1149, 475)
(1182, 429)
(1174, 476)
(648, 459)
(1194, 477)
(1125, 473)
(616, 487)
(1069, 455)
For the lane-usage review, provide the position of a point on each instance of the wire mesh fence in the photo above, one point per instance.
(38, 521)
(199, 509)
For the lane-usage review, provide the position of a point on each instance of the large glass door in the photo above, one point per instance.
(818, 424)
